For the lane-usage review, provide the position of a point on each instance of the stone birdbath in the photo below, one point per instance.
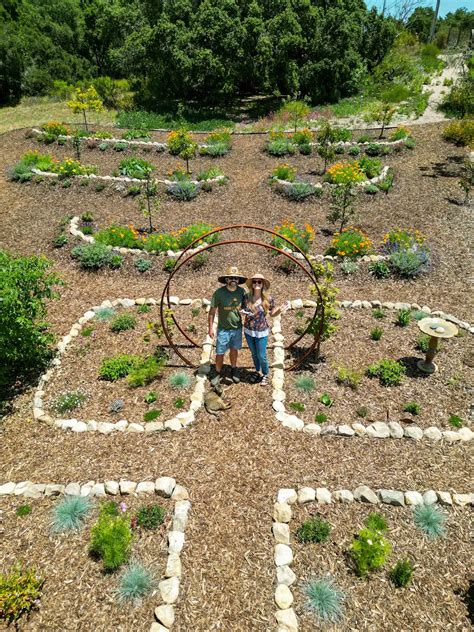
(436, 328)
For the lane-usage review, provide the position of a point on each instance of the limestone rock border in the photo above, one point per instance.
(178, 422)
(285, 615)
(164, 486)
(327, 185)
(378, 429)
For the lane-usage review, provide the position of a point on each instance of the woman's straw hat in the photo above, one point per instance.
(266, 282)
(232, 271)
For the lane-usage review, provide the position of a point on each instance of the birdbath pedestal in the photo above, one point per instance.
(436, 328)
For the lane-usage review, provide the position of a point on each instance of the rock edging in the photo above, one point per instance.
(358, 185)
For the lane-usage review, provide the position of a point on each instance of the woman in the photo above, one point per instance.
(256, 306)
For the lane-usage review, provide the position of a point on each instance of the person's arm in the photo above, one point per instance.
(212, 314)
(280, 310)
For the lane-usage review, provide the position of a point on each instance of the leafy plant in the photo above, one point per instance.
(412, 407)
(372, 167)
(69, 513)
(23, 510)
(143, 309)
(150, 397)
(280, 146)
(116, 405)
(284, 172)
(422, 343)
(123, 322)
(455, 421)
(296, 112)
(379, 269)
(110, 540)
(376, 333)
(320, 418)
(297, 406)
(120, 146)
(299, 191)
(85, 100)
(411, 262)
(326, 400)
(179, 380)
(103, 146)
(460, 132)
(60, 240)
(104, 313)
(178, 141)
(20, 590)
(314, 530)
(142, 265)
(113, 369)
(376, 522)
(135, 582)
(324, 599)
(151, 415)
(362, 411)
(351, 242)
(301, 237)
(134, 167)
(389, 372)
(179, 402)
(305, 383)
(403, 317)
(94, 256)
(151, 516)
(369, 551)
(401, 573)
(145, 370)
(133, 134)
(348, 377)
(69, 401)
(325, 277)
(183, 191)
(349, 267)
(354, 150)
(378, 313)
(431, 520)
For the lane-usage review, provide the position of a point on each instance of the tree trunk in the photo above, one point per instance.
(85, 120)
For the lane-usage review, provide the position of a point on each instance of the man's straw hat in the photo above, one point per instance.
(232, 271)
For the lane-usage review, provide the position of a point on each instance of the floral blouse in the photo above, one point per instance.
(257, 325)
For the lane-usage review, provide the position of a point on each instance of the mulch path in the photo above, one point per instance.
(233, 467)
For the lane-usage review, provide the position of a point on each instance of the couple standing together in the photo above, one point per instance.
(231, 302)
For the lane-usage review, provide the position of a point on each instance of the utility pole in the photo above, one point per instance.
(433, 23)
(383, 7)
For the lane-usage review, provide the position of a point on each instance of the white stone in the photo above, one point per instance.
(323, 496)
(80, 426)
(396, 430)
(180, 493)
(283, 555)
(343, 496)
(175, 541)
(283, 596)
(281, 532)
(391, 497)
(121, 425)
(98, 490)
(433, 433)
(186, 417)
(173, 424)
(366, 495)
(53, 489)
(135, 428)
(169, 589)
(356, 304)
(278, 395)
(359, 429)
(173, 565)
(292, 422)
(112, 487)
(157, 627)
(379, 430)
(413, 498)
(34, 490)
(86, 489)
(281, 512)
(127, 487)
(413, 432)
(312, 429)
(164, 486)
(451, 437)
(287, 619)
(7, 489)
(345, 431)
(278, 406)
(286, 495)
(104, 427)
(466, 434)
(297, 304)
(145, 487)
(165, 614)
(444, 498)
(72, 489)
(285, 575)
(154, 426)
(306, 495)
(430, 498)
(92, 425)
(128, 302)
(462, 499)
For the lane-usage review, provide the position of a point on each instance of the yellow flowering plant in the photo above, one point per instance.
(301, 237)
(345, 172)
(351, 242)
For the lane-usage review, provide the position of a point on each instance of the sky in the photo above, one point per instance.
(446, 6)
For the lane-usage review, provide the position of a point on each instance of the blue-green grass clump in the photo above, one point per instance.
(179, 380)
(324, 599)
(135, 582)
(68, 515)
(305, 384)
(431, 520)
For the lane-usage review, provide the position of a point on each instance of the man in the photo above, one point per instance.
(227, 302)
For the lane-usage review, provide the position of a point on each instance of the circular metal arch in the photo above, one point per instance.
(182, 260)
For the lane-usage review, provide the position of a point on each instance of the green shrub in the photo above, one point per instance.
(214, 150)
(179, 380)
(422, 342)
(410, 143)
(69, 513)
(23, 510)
(60, 241)
(145, 370)
(350, 242)
(94, 256)
(305, 149)
(379, 269)
(403, 317)
(460, 133)
(301, 237)
(143, 309)
(151, 517)
(455, 421)
(369, 551)
(113, 369)
(378, 313)
(305, 383)
(104, 313)
(120, 146)
(372, 167)
(324, 600)
(66, 402)
(169, 264)
(179, 402)
(134, 167)
(362, 411)
(418, 314)
(134, 190)
(87, 230)
(320, 418)
(123, 322)
(100, 186)
(325, 400)
(411, 262)
(103, 146)
(110, 540)
(133, 134)
(459, 102)
(297, 406)
(373, 149)
(299, 191)
(371, 189)
(401, 573)
(376, 333)
(349, 267)
(431, 520)
(135, 583)
(151, 415)
(142, 265)
(20, 590)
(284, 172)
(199, 261)
(389, 372)
(412, 407)
(376, 522)
(209, 174)
(280, 147)
(25, 343)
(349, 377)
(183, 191)
(313, 530)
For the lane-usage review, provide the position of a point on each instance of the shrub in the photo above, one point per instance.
(150, 397)
(400, 132)
(297, 406)
(302, 137)
(23, 510)
(120, 146)
(145, 370)
(110, 540)
(373, 149)
(169, 264)
(100, 186)
(326, 400)
(280, 146)
(94, 256)
(20, 590)
(69, 513)
(116, 405)
(455, 421)
(301, 237)
(418, 314)
(179, 402)
(191, 233)
(113, 369)
(133, 134)
(459, 102)
(66, 402)
(178, 141)
(143, 309)
(179, 380)
(378, 313)
(403, 317)
(371, 189)
(123, 322)
(389, 372)
(412, 407)
(135, 583)
(53, 128)
(460, 133)
(151, 517)
(214, 150)
(183, 191)
(324, 599)
(362, 411)
(151, 415)
(104, 313)
(401, 239)
(372, 167)
(422, 343)
(298, 191)
(320, 418)
(103, 146)
(305, 384)
(431, 520)
(376, 333)
(209, 174)
(353, 151)
(349, 267)
(345, 173)
(313, 530)
(410, 263)
(305, 150)
(60, 241)
(284, 172)
(401, 573)
(351, 242)
(135, 168)
(369, 551)
(142, 265)
(376, 522)
(379, 270)
(349, 377)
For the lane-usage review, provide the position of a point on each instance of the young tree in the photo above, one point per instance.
(325, 138)
(150, 204)
(382, 112)
(85, 101)
(467, 179)
(187, 153)
(297, 112)
(343, 207)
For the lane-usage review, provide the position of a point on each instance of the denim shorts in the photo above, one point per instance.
(228, 339)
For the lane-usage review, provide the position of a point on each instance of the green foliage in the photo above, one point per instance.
(376, 522)
(460, 133)
(300, 237)
(71, 400)
(401, 573)
(348, 377)
(23, 510)
(60, 240)
(410, 263)
(20, 590)
(151, 516)
(179, 380)
(209, 174)
(156, 120)
(320, 418)
(179, 402)
(142, 265)
(324, 274)
(295, 111)
(299, 191)
(314, 530)
(324, 600)
(169, 264)
(351, 242)
(123, 322)
(103, 146)
(110, 540)
(113, 369)
(422, 342)
(151, 415)
(199, 261)
(297, 406)
(120, 146)
(371, 189)
(354, 150)
(284, 172)
(95, 256)
(349, 267)
(133, 134)
(389, 372)
(459, 101)
(305, 383)
(403, 317)
(372, 149)
(143, 309)
(369, 551)
(412, 407)
(372, 167)
(150, 397)
(362, 411)
(378, 313)
(134, 167)
(104, 313)
(179, 141)
(145, 370)
(183, 191)
(379, 270)
(419, 314)
(326, 400)
(136, 582)
(376, 333)
(69, 513)
(455, 421)
(431, 520)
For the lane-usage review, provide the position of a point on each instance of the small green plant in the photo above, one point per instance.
(349, 267)
(134, 190)
(179, 402)
(401, 573)
(369, 551)
(379, 270)
(23, 510)
(94, 256)
(143, 309)
(123, 322)
(305, 383)
(134, 167)
(113, 369)
(297, 406)
(284, 172)
(151, 415)
(116, 405)
(87, 217)
(179, 380)
(376, 522)
(100, 186)
(412, 407)
(87, 230)
(326, 400)
(104, 313)
(69, 513)
(150, 397)
(60, 241)
(418, 314)
(110, 540)
(20, 590)
(314, 530)
(376, 333)
(169, 264)
(109, 508)
(145, 370)
(199, 261)
(299, 191)
(353, 151)
(69, 401)
(403, 317)
(389, 372)
(324, 599)
(455, 421)
(348, 377)
(431, 520)
(184, 190)
(320, 418)
(120, 146)
(362, 411)
(378, 313)
(135, 583)
(103, 146)
(422, 343)
(115, 261)
(151, 517)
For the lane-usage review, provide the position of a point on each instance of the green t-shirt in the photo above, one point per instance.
(228, 305)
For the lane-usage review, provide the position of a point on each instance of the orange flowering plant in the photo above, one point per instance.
(351, 242)
(301, 237)
(345, 172)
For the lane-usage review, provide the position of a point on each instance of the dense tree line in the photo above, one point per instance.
(209, 50)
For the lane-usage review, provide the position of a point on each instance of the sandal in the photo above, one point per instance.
(254, 378)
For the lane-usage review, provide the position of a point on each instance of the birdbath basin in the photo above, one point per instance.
(436, 328)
